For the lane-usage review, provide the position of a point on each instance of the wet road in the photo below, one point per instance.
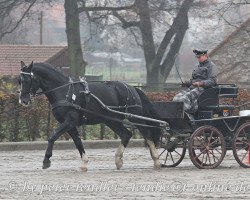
(22, 177)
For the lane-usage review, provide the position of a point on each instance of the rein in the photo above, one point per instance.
(65, 103)
(59, 87)
(31, 74)
(82, 81)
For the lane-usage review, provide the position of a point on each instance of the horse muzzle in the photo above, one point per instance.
(25, 103)
(25, 100)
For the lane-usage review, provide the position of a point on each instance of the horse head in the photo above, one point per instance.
(29, 84)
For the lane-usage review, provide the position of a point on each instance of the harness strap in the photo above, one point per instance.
(69, 104)
(119, 120)
(125, 107)
(63, 103)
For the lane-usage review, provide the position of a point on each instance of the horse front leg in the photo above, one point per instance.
(68, 124)
(77, 140)
(55, 135)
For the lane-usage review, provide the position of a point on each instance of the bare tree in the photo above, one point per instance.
(12, 14)
(160, 45)
(141, 17)
(233, 12)
(77, 63)
(138, 16)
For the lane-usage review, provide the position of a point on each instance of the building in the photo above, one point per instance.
(232, 57)
(12, 55)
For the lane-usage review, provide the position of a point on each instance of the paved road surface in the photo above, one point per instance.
(21, 177)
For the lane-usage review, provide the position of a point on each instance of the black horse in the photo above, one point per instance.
(77, 103)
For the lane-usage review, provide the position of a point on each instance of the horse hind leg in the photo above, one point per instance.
(78, 143)
(154, 154)
(119, 156)
(153, 151)
(125, 136)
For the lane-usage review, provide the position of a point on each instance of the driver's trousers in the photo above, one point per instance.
(190, 98)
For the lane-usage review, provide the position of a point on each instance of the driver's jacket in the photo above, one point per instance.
(205, 72)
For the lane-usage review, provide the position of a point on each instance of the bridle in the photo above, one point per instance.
(70, 83)
(26, 73)
(31, 74)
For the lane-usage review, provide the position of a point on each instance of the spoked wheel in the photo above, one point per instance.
(172, 151)
(207, 147)
(241, 145)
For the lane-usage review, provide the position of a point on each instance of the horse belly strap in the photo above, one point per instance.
(63, 103)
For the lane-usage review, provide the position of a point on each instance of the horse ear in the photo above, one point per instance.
(22, 65)
(30, 66)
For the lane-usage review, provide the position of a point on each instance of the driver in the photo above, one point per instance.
(204, 76)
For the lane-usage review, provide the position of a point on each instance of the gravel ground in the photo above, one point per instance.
(22, 177)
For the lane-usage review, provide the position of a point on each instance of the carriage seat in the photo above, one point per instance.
(209, 101)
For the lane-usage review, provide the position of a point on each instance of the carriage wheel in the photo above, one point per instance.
(207, 147)
(172, 151)
(241, 145)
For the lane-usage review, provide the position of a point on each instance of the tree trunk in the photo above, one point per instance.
(147, 40)
(159, 62)
(180, 25)
(16, 122)
(158, 66)
(169, 62)
(77, 64)
(102, 131)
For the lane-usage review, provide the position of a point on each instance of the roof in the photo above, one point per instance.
(232, 57)
(242, 27)
(12, 55)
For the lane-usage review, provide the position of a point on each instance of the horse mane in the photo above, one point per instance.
(49, 69)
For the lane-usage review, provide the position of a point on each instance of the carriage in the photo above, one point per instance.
(212, 131)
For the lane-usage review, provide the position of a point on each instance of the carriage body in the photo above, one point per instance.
(213, 129)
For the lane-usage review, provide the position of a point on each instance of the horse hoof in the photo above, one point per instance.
(119, 163)
(84, 169)
(46, 164)
(157, 166)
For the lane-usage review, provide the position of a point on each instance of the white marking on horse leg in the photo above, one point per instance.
(20, 101)
(85, 161)
(118, 156)
(154, 154)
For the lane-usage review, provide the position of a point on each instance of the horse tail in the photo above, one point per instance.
(149, 111)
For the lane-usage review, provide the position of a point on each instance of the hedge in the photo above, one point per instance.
(19, 123)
